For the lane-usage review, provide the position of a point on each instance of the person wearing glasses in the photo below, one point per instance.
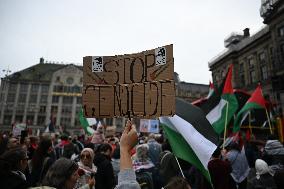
(64, 173)
(87, 169)
(12, 166)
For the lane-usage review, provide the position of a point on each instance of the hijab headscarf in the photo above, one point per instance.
(262, 168)
(86, 168)
(141, 159)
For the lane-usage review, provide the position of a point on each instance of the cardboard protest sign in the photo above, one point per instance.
(141, 84)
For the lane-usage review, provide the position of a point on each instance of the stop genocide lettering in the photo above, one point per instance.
(140, 84)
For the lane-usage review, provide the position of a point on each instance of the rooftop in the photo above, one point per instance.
(239, 46)
(39, 72)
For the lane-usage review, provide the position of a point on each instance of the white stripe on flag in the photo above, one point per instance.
(244, 117)
(91, 121)
(216, 113)
(210, 93)
(90, 130)
(202, 147)
(264, 123)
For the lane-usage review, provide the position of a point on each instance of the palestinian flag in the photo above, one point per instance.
(216, 106)
(86, 123)
(256, 101)
(211, 90)
(190, 135)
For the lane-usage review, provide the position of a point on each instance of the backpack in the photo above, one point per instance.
(145, 180)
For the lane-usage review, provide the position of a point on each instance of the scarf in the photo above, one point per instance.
(262, 168)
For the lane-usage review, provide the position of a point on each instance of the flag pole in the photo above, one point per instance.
(271, 132)
(280, 129)
(180, 167)
(225, 128)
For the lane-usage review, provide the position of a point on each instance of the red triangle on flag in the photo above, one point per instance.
(228, 88)
(211, 86)
(257, 97)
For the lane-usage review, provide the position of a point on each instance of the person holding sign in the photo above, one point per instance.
(126, 176)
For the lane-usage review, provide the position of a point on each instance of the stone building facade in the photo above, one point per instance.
(43, 93)
(257, 58)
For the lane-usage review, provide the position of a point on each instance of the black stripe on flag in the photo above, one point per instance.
(196, 117)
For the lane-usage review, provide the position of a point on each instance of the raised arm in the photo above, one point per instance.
(126, 176)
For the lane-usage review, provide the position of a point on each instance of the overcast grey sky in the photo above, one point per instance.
(67, 30)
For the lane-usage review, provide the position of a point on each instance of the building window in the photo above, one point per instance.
(31, 108)
(54, 109)
(44, 88)
(33, 98)
(55, 99)
(281, 31)
(223, 73)
(34, 88)
(77, 122)
(252, 76)
(7, 119)
(43, 99)
(30, 119)
(9, 108)
(57, 79)
(251, 63)
(12, 87)
(242, 79)
(79, 100)
(76, 89)
(20, 109)
(66, 109)
(22, 98)
(262, 58)
(78, 109)
(24, 88)
(42, 109)
(263, 71)
(65, 121)
(19, 118)
(241, 67)
(67, 99)
(69, 80)
(40, 120)
(11, 97)
(58, 88)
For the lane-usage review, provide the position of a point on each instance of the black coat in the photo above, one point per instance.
(12, 181)
(104, 177)
(266, 181)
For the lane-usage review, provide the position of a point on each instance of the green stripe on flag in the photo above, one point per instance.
(182, 150)
(219, 125)
(85, 124)
(247, 107)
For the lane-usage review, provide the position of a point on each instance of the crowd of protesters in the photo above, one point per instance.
(131, 161)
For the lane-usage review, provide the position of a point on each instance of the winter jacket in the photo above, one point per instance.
(104, 176)
(13, 180)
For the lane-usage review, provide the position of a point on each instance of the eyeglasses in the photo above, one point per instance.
(85, 156)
